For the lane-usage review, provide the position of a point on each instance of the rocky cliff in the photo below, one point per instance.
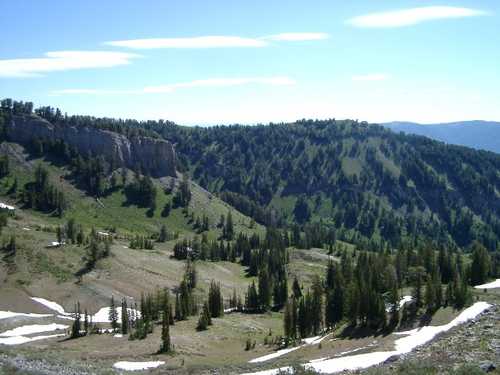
(155, 156)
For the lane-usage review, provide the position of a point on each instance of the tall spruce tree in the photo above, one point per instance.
(113, 315)
(165, 330)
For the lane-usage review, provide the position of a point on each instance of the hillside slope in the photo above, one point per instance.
(483, 135)
(360, 182)
(366, 180)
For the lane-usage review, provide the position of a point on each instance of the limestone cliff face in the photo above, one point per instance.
(155, 156)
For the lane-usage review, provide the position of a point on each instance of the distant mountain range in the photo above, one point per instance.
(483, 135)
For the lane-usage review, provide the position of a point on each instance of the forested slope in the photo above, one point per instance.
(371, 186)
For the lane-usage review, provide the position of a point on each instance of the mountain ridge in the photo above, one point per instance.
(478, 134)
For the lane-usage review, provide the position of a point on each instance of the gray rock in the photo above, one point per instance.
(487, 366)
(155, 156)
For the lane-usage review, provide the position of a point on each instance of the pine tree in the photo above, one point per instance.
(204, 320)
(178, 310)
(113, 316)
(252, 299)
(418, 282)
(125, 318)
(165, 330)
(264, 290)
(215, 301)
(86, 323)
(481, 265)
(75, 328)
(229, 228)
(162, 237)
(296, 290)
(317, 305)
(394, 303)
(289, 324)
(430, 296)
(190, 274)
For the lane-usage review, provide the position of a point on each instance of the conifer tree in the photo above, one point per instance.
(86, 323)
(481, 265)
(289, 323)
(252, 299)
(264, 290)
(394, 303)
(165, 330)
(113, 315)
(125, 317)
(162, 237)
(316, 305)
(296, 290)
(205, 319)
(215, 301)
(229, 228)
(76, 327)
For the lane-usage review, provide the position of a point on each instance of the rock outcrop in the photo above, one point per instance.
(155, 156)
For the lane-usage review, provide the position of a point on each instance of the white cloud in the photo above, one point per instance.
(295, 37)
(412, 16)
(63, 60)
(196, 42)
(219, 41)
(162, 89)
(371, 77)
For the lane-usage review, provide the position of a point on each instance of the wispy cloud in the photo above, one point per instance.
(196, 42)
(215, 41)
(63, 60)
(162, 89)
(371, 77)
(412, 16)
(297, 37)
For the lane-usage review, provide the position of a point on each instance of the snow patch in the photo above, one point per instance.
(33, 328)
(51, 305)
(413, 339)
(137, 366)
(6, 207)
(404, 300)
(493, 284)
(11, 314)
(307, 341)
(18, 340)
(102, 316)
(276, 354)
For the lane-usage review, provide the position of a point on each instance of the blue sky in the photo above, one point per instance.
(219, 62)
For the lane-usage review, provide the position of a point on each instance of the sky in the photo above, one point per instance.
(222, 62)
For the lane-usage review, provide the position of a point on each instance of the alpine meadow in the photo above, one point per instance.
(255, 189)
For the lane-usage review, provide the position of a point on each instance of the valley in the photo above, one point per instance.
(266, 289)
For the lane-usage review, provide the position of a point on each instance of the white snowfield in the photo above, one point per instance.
(20, 335)
(137, 366)
(492, 285)
(412, 339)
(18, 340)
(31, 329)
(307, 341)
(51, 305)
(102, 316)
(11, 314)
(6, 207)
(276, 354)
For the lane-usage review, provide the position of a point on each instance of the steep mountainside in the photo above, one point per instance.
(155, 156)
(367, 181)
(360, 182)
(482, 135)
